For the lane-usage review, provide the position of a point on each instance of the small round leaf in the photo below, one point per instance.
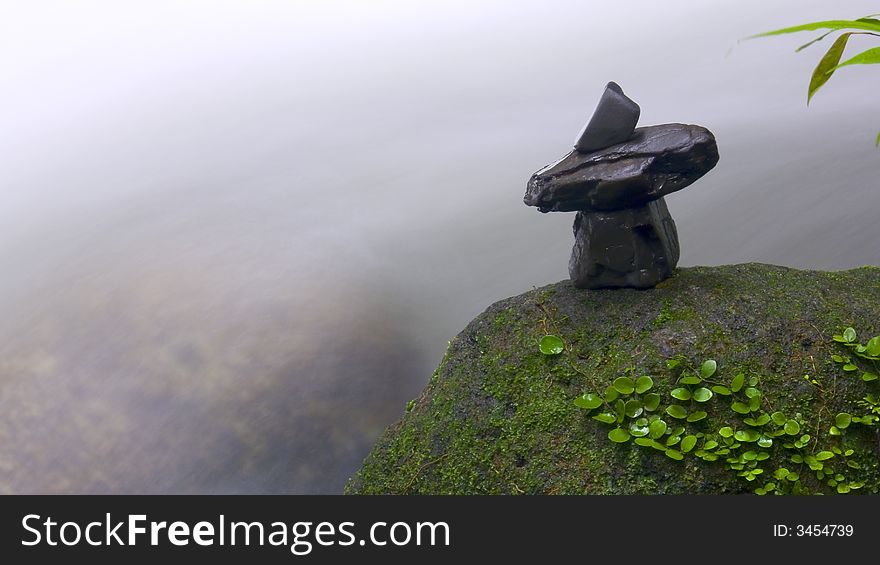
(619, 435)
(606, 417)
(746, 435)
(644, 384)
(707, 369)
(722, 390)
(868, 377)
(636, 430)
(657, 429)
(737, 382)
(697, 416)
(624, 385)
(849, 334)
(740, 408)
(690, 380)
(843, 420)
(588, 401)
(681, 393)
(765, 441)
(633, 408)
(726, 431)
(611, 394)
(673, 454)
(702, 394)
(792, 428)
(688, 443)
(651, 401)
(551, 345)
(676, 411)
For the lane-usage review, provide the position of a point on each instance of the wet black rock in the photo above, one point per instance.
(613, 121)
(654, 162)
(624, 235)
(633, 247)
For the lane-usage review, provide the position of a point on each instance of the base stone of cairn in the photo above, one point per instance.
(634, 247)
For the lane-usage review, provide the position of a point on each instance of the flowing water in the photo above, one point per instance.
(236, 237)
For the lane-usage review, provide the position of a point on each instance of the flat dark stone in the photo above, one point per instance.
(654, 162)
(613, 121)
(633, 248)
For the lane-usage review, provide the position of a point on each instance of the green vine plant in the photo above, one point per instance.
(830, 62)
(752, 434)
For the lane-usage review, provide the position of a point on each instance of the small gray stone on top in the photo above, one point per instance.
(613, 121)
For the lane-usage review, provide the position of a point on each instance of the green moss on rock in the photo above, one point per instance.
(497, 416)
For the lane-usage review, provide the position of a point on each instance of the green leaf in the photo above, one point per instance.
(681, 393)
(688, 443)
(763, 419)
(722, 390)
(588, 401)
(697, 416)
(673, 439)
(637, 430)
(624, 385)
(657, 429)
(849, 334)
(606, 417)
(752, 392)
(690, 380)
(633, 408)
(869, 57)
(781, 473)
(740, 408)
(644, 384)
(619, 435)
(873, 344)
(797, 458)
(877, 144)
(746, 435)
(792, 428)
(828, 24)
(753, 381)
(820, 38)
(755, 403)
(765, 441)
(551, 345)
(843, 420)
(826, 66)
(837, 358)
(676, 411)
(673, 454)
(823, 455)
(849, 367)
(673, 363)
(726, 431)
(868, 377)
(835, 431)
(677, 431)
(702, 394)
(737, 382)
(778, 418)
(708, 368)
(651, 401)
(843, 488)
(643, 441)
(762, 455)
(711, 444)
(611, 394)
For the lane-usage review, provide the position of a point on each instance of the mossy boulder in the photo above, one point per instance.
(498, 416)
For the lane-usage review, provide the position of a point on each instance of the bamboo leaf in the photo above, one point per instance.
(869, 57)
(820, 38)
(865, 24)
(826, 65)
